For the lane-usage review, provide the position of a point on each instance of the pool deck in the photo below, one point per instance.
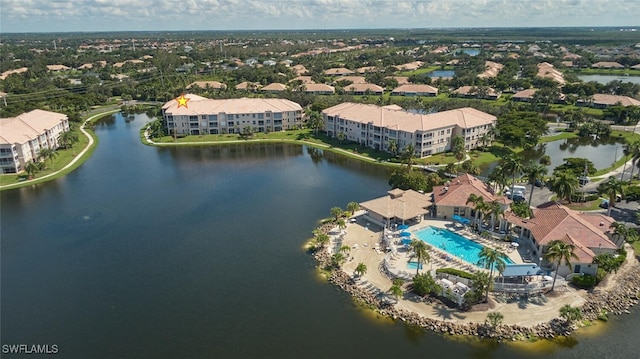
(365, 241)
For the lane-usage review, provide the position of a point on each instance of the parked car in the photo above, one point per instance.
(604, 204)
(540, 183)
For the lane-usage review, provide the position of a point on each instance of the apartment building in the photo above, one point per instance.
(22, 137)
(207, 116)
(375, 127)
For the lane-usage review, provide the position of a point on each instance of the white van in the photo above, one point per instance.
(516, 189)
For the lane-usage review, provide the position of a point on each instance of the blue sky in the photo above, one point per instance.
(140, 15)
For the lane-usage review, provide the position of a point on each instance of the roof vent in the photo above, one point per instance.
(601, 224)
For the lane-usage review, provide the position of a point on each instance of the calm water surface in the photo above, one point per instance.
(605, 79)
(196, 252)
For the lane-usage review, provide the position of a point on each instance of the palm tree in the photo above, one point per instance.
(633, 149)
(67, 139)
(513, 164)
(558, 251)
(491, 259)
(564, 184)
(498, 176)
(407, 156)
(353, 207)
(336, 212)
(361, 269)
(611, 187)
(392, 146)
(457, 147)
(534, 172)
(337, 259)
(478, 204)
(619, 230)
(345, 249)
(396, 291)
(342, 224)
(47, 154)
(419, 251)
(31, 168)
(495, 210)
(485, 139)
(322, 239)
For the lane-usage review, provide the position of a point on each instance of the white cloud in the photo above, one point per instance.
(106, 15)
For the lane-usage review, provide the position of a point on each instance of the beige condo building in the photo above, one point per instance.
(22, 137)
(206, 116)
(374, 126)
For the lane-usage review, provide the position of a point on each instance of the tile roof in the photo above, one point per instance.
(198, 105)
(605, 99)
(204, 84)
(491, 69)
(458, 190)
(551, 221)
(340, 71)
(363, 87)
(546, 70)
(466, 117)
(473, 90)
(400, 204)
(608, 64)
(28, 126)
(353, 79)
(276, 86)
(416, 88)
(310, 87)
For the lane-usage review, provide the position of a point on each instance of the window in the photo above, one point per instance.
(277, 115)
(213, 117)
(260, 116)
(237, 116)
(193, 118)
(213, 124)
(448, 130)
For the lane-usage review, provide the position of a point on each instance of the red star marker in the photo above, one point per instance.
(182, 101)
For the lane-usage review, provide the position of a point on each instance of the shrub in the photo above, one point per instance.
(424, 284)
(456, 272)
(584, 281)
(632, 193)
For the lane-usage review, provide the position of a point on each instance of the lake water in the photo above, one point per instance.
(602, 152)
(470, 52)
(196, 252)
(441, 73)
(605, 79)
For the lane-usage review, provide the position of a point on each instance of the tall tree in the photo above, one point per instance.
(419, 251)
(352, 207)
(336, 212)
(611, 188)
(361, 269)
(457, 147)
(564, 184)
(513, 164)
(557, 252)
(533, 173)
(478, 203)
(491, 259)
(632, 149)
(408, 155)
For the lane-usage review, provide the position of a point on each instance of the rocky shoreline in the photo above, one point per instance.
(615, 301)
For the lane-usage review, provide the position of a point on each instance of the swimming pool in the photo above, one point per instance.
(452, 243)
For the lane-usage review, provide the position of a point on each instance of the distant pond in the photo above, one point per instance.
(603, 152)
(605, 79)
(441, 73)
(470, 52)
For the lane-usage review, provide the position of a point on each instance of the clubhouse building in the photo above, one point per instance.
(375, 127)
(589, 233)
(202, 116)
(22, 137)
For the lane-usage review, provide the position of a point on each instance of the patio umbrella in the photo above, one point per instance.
(406, 241)
(402, 227)
(405, 234)
(514, 245)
